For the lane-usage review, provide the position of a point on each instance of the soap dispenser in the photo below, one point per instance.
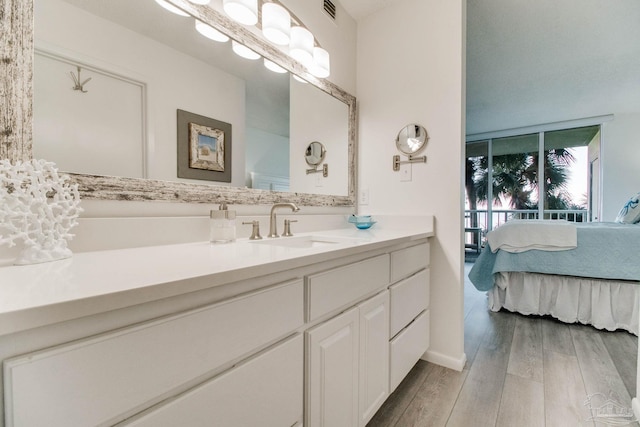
(222, 227)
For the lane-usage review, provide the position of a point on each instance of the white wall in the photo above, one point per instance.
(411, 70)
(620, 157)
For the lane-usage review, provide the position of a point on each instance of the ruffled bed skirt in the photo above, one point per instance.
(605, 304)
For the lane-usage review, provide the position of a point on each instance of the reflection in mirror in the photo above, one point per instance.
(411, 139)
(157, 63)
(314, 154)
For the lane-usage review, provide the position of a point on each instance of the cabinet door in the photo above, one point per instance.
(374, 355)
(332, 382)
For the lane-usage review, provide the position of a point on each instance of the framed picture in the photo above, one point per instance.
(204, 148)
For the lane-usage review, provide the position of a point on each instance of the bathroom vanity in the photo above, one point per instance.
(313, 330)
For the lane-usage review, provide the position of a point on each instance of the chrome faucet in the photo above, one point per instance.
(273, 227)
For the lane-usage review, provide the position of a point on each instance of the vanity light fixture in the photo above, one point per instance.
(242, 11)
(270, 65)
(276, 23)
(320, 66)
(171, 8)
(301, 45)
(279, 26)
(243, 51)
(211, 33)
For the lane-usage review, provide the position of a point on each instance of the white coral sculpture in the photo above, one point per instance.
(39, 207)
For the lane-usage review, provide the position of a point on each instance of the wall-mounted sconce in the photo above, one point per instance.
(314, 155)
(411, 139)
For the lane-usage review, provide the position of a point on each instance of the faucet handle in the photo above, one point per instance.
(287, 227)
(255, 232)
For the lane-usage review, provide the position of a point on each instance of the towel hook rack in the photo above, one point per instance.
(77, 80)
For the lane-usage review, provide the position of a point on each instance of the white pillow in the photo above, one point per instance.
(630, 212)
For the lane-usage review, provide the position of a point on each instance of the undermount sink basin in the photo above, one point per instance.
(307, 241)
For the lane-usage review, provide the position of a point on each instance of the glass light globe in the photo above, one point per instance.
(320, 66)
(171, 8)
(243, 51)
(211, 33)
(276, 23)
(270, 65)
(242, 11)
(301, 45)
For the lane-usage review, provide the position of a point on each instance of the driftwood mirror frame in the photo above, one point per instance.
(16, 118)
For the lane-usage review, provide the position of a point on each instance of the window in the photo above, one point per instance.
(555, 167)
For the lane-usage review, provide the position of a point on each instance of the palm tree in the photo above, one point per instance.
(470, 185)
(515, 178)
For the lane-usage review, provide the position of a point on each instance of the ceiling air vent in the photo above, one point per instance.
(330, 9)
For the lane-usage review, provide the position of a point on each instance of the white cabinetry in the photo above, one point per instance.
(348, 360)
(104, 379)
(332, 382)
(323, 343)
(374, 355)
(264, 391)
(409, 330)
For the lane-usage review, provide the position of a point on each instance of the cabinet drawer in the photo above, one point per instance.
(103, 379)
(333, 289)
(408, 261)
(409, 298)
(265, 391)
(407, 348)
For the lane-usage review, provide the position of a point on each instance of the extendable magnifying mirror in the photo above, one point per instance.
(314, 155)
(411, 139)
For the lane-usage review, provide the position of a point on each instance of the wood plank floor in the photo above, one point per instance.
(521, 371)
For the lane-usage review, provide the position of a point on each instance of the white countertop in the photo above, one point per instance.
(92, 282)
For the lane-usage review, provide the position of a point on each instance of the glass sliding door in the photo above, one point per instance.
(545, 174)
(515, 176)
(566, 171)
(476, 164)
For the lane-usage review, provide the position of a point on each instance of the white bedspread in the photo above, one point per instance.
(522, 235)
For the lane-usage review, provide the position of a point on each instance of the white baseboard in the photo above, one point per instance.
(635, 405)
(446, 361)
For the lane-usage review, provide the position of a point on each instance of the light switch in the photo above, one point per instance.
(364, 197)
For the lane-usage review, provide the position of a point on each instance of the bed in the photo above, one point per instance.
(576, 272)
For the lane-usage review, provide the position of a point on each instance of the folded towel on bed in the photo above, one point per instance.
(518, 235)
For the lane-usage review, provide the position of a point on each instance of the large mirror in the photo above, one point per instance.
(70, 42)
